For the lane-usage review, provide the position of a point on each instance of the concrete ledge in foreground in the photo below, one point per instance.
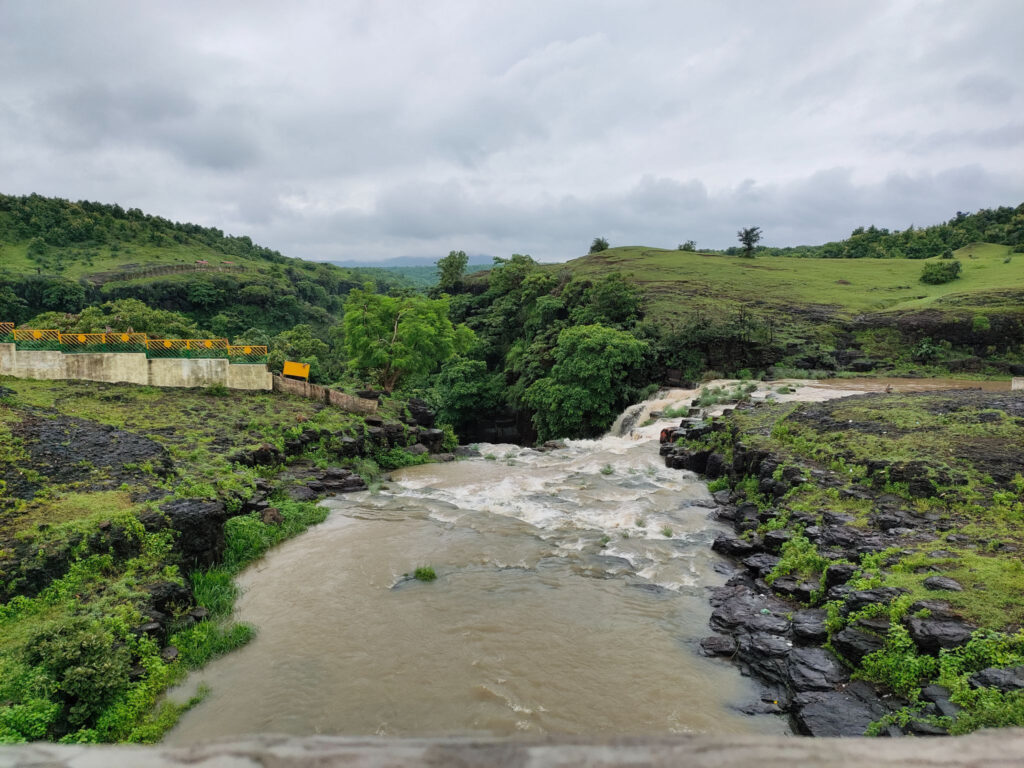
(1003, 747)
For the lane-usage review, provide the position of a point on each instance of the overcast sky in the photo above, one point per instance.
(370, 130)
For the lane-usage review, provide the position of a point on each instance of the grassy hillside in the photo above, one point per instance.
(677, 283)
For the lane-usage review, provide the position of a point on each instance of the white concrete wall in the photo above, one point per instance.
(8, 356)
(127, 367)
(1017, 383)
(248, 376)
(38, 364)
(133, 368)
(182, 372)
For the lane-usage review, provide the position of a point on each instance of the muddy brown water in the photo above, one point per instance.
(571, 594)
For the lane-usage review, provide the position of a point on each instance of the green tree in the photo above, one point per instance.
(749, 238)
(465, 389)
(590, 382)
(689, 245)
(451, 269)
(599, 244)
(393, 337)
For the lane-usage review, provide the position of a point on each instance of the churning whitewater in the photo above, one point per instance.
(570, 597)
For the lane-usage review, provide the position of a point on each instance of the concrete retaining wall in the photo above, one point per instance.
(324, 395)
(133, 368)
(1017, 383)
(181, 372)
(107, 366)
(250, 377)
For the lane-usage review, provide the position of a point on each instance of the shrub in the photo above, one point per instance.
(980, 324)
(938, 272)
(424, 573)
(599, 244)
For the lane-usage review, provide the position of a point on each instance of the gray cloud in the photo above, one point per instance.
(366, 129)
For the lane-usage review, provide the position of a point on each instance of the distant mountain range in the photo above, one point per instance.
(411, 261)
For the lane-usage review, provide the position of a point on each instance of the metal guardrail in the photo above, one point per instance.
(72, 343)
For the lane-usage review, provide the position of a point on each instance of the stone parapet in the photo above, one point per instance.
(986, 748)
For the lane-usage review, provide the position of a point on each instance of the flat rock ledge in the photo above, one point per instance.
(984, 748)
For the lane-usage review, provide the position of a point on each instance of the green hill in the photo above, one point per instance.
(57, 255)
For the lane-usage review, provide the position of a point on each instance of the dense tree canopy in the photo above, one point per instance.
(593, 378)
(392, 337)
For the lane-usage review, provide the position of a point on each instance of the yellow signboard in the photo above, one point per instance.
(296, 370)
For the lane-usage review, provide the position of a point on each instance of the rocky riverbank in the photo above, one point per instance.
(876, 543)
(125, 512)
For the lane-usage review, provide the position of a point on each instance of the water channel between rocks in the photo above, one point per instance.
(571, 594)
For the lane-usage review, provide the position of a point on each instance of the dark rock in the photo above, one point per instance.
(722, 496)
(301, 493)
(943, 583)
(373, 421)
(809, 625)
(747, 517)
(939, 696)
(815, 669)
(465, 452)
(847, 712)
(718, 645)
(764, 655)
(200, 524)
(734, 546)
(199, 613)
(432, 438)
(769, 623)
(877, 596)
(1005, 679)
(933, 634)
(773, 540)
(420, 412)
(265, 455)
(166, 596)
(798, 589)
(854, 644)
(169, 654)
(839, 573)
(419, 449)
(716, 466)
(761, 564)
(272, 516)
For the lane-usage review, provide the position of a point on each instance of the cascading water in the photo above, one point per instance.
(570, 597)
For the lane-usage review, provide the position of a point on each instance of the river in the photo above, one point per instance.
(570, 597)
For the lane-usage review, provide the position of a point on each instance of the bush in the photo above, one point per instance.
(424, 573)
(938, 272)
(599, 244)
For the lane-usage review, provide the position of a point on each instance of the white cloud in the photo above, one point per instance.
(379, 129)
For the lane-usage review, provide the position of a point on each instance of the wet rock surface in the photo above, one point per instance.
(778, 630)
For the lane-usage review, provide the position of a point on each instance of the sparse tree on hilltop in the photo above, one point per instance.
(749, 237)
(599, 244)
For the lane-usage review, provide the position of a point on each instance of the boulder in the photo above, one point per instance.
(1005, 679)
(166, 596)
(933, 634)
(815, 669)
(847, 712)
(943, 583)
(200, 524)
(272, 516)
(809, 626)
(733, 546)
(718, 645)
(855, 644)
